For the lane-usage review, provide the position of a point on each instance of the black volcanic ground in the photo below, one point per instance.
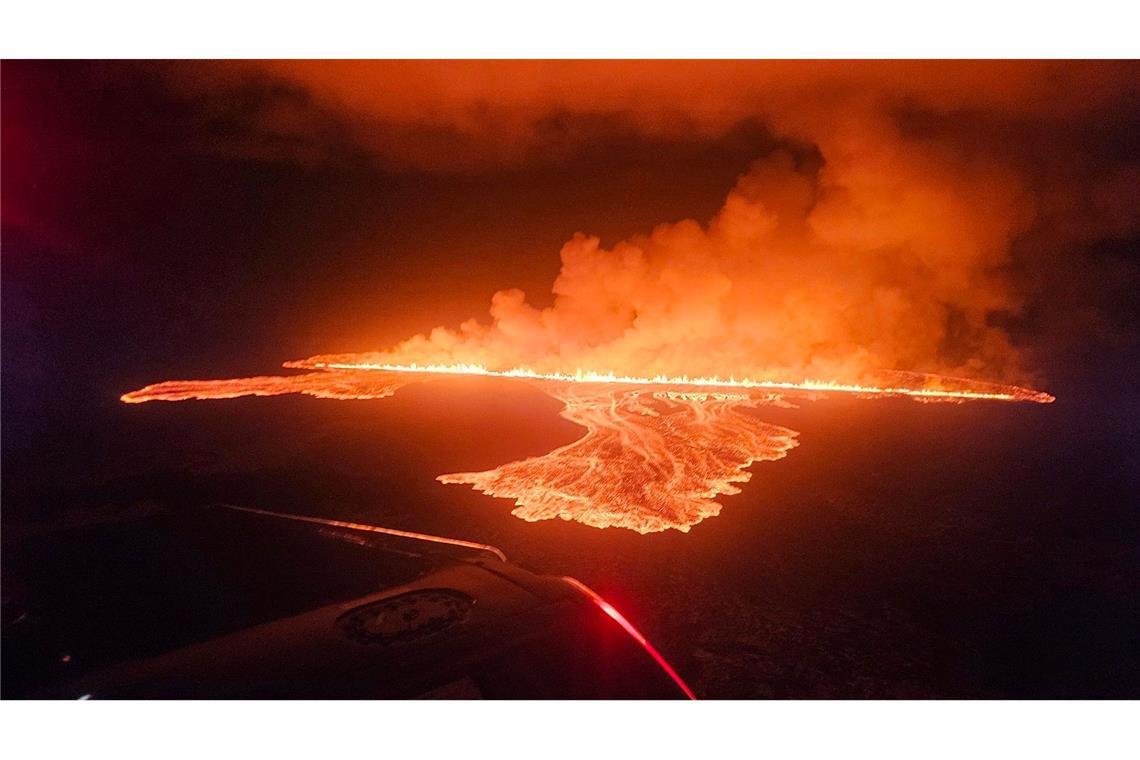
(902, 550)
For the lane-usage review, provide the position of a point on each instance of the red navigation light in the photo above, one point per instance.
(610, 610)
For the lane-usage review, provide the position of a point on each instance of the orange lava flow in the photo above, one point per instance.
(656, 453)
(335, 385)
(648, 461)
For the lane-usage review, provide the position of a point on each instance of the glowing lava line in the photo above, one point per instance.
(343, 386)
(993, 392)
(656, 453)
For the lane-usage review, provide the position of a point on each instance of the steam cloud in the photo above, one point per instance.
(888, 246)
(885, 256)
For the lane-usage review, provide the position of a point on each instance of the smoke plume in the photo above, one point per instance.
(899, 240)
(884, 255)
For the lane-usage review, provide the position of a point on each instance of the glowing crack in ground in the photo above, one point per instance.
(656, 452)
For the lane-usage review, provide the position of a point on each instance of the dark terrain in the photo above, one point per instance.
(902, 550)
